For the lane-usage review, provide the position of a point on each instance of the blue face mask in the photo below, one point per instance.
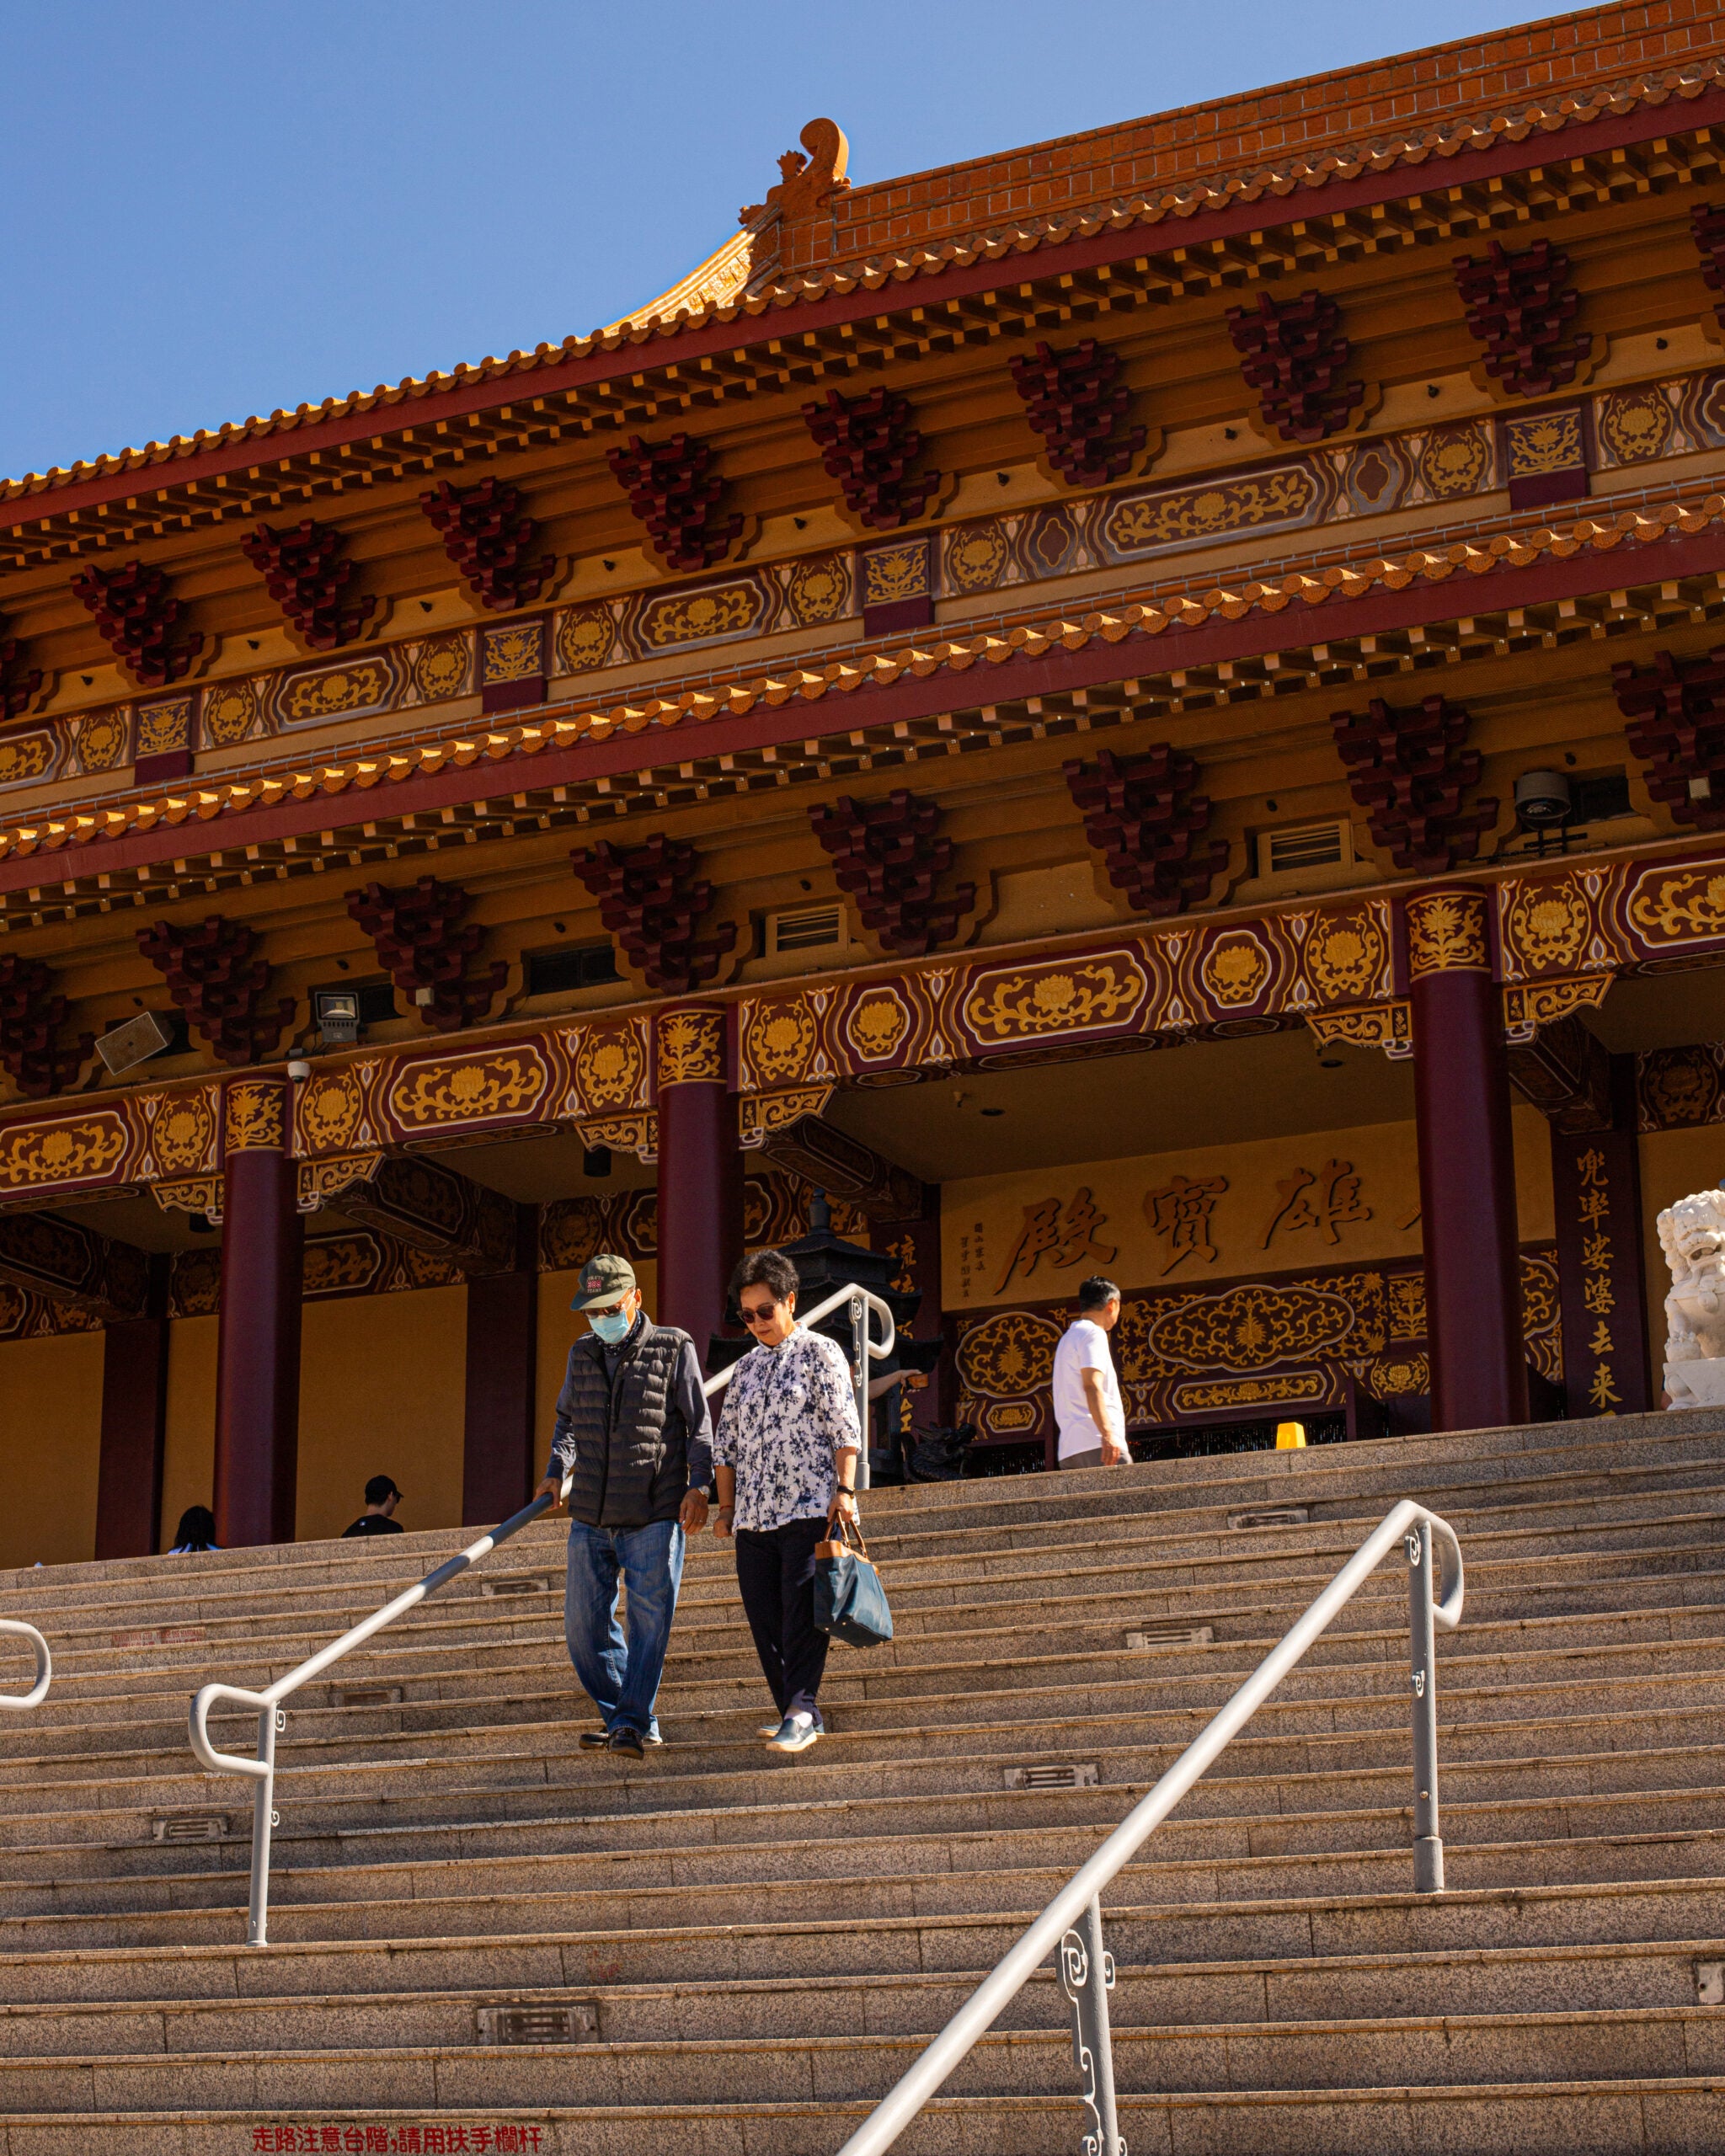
(611, 1326)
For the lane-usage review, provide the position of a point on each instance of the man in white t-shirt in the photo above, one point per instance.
(1087, 1411)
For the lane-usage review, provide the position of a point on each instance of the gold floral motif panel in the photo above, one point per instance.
(1297, 1388)
(230, 713)
(610, 1065)
(162, 728)
(102, 741)
(1347, 953)
(1446, 933)
(1544, 444)
(977, 556)
(501, 1085)
(1237, 968)
(1295, 494)
(690, 1047)
(586, 638)
(1548, 924)
(778, 1041)
(893, 573)
(818, 591)
(350, 690)
(77, 1152)
(1667, 909)
(733, 609)
(1072, 997)
(24, 757)
(329, 1108)
(1455, 460)
(440, 668)
(183, 1131)
(254, 1115)
(514, 652)
(1634, 425)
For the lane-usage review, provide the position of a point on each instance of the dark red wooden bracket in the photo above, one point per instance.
(653, 901)
(215, 979)
(1409, 769)
(1518, 305)
(1075, 402)
(304, 574)
(1294, 352)
(425, 944)
(1676, 715)
(490, 539)
(868, 446)
(30, 1014)
(674, 493)
(886, 856)
(1148, 825)
(136, 614)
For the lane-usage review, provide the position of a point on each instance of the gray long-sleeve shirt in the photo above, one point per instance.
(687, 1401)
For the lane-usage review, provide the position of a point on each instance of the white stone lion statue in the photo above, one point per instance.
(1692, 1235)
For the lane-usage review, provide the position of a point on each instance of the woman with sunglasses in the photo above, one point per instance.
(784, 1458)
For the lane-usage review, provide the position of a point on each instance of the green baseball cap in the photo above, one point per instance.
(605, 1278)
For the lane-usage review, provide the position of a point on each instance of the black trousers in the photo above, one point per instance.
(776, 1573)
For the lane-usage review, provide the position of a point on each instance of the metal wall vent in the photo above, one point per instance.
(188, 1827)
(1306, 846)
(1170, 1635)
(369, 1696)
(1053, 1777)
(577, 2023)
(517, 1583)
(1271, 1516)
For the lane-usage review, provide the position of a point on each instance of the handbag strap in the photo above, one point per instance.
(847, 1532)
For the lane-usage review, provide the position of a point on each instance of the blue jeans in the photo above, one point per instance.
(620, 1674)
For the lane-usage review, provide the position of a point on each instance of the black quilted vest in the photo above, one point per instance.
(631, 1463)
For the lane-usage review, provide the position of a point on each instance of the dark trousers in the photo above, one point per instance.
(776, 1573)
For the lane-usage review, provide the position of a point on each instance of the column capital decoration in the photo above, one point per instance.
(1388, 1026)
(1446, 934)
(254, 1115)
(689, 1046)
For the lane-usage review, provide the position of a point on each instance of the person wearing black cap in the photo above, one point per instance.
(633, 1433)
(382, 1499)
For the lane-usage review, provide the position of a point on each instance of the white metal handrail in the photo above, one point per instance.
(1070, 1926)
(44, 1665)
(266, 1704)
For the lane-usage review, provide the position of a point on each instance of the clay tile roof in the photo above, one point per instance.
(1269, 145)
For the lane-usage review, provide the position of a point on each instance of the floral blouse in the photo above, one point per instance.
(785, 1410)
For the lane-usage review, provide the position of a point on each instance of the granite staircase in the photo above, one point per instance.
(487, 1940)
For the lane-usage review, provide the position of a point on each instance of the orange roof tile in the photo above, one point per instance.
(1442, 102)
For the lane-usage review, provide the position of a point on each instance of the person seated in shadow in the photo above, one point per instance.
(196, 1531)
(382, 1499)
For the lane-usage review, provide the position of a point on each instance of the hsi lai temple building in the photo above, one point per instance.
(1153, 704)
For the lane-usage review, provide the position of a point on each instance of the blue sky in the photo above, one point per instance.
(212, 210)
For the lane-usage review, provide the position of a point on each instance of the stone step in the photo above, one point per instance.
(1027, 1721)
(1646, 2043)
(606, 1891)
(1625, 1520)
(1299, 1929)
(894, 1767)
(1470, 1459)
(969, 1794)
(1242, 1995)
(785, 1842)
(860, 1683)
(1001, 1605)
(1678, 2117)
(862, 1695)
(1682, 1534)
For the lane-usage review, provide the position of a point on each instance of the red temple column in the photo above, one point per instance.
(258, 1341)
(134, 1427)
(498, 1470)
(700, 1173)
(1467, 1167)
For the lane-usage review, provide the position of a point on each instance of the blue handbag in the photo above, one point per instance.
(850, 1601)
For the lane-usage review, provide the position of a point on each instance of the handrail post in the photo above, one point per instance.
(1427, 1844)
(1086, 1977)
(859, 1379)
(270, 1718)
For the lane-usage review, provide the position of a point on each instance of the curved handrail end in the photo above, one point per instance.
(44, 1665)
